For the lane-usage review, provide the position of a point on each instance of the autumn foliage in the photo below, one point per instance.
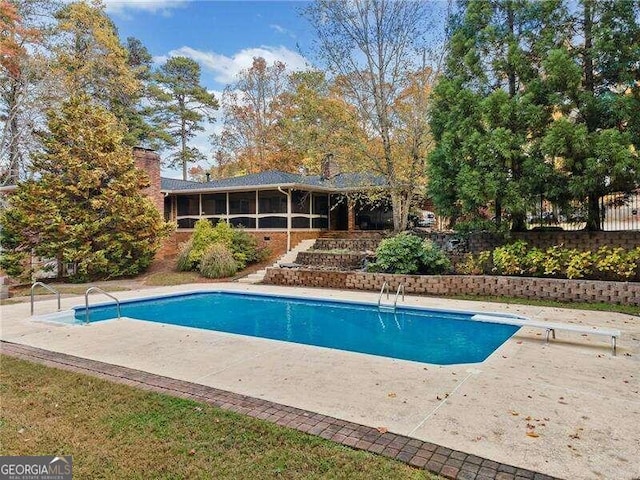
(84, 206)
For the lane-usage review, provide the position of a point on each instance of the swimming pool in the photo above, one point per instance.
(430, 336)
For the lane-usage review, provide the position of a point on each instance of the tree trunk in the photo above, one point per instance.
(14, 147)
(594, 220)
(400, 210)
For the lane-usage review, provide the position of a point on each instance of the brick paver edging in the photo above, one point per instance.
(434, 458)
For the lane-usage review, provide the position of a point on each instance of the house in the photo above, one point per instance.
(279, 208)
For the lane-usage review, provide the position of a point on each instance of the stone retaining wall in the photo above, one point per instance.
(352, 244)
(344, 261)
(590, 291)
(580, 240)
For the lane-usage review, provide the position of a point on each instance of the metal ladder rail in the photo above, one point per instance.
(51, 289)
(86, 301)
(400, 289)
(385, 286)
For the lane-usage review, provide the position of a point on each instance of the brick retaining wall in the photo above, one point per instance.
(590, 291)
(344, 261)
(580, 240)
(352, 244)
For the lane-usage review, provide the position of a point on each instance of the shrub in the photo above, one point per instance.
(183, 263)
(408, 254)
(617, 263)
(434, 261)
(205, 235)
(246, 249)
(580, 264)
(475, 264)
(399, 254)
(218, 262)
(510, 259)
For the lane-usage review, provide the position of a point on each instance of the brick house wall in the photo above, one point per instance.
(149, 162)
(275, 241)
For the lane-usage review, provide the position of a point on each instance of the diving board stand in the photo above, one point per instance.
(551, 328)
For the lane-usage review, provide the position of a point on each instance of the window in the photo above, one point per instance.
(320, 204)
(300, 222)
(272, 222)
(188, 205)
(300, 201)
(272, 201)
(246, 222)
(215, 204)
(187, 222)
(243, 203)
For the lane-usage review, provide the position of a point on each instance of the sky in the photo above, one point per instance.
(222, 36)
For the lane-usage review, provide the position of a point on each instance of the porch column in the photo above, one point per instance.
(351, 214)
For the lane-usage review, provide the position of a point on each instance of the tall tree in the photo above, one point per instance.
(316, 121)
(372, 48)
(492, 106)
(84, 206)
(182, 104)
(90, 60)
(596, 81)
(23, 83)
(138, 113)
(251, 107)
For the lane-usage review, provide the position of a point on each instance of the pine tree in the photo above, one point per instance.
(182, 104)
(84, 205)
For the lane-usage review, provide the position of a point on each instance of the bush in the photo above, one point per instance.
(408, 254)
(184, 264)
(205, 235)
(218, 262)
(434, 261)
(607, 263)
(245, 248)
(510, 259)
(475, 264)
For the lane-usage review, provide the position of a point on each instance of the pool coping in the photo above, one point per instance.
(452, 464)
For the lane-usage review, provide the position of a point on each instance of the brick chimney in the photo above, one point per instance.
(149, 162)
(328, 168)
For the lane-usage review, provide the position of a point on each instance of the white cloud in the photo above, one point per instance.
(282, 30)
(226, 68)
(162, 7)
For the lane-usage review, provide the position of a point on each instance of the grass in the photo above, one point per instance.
(171, 278)
(600, 307)
(65, 289)
(116, 431)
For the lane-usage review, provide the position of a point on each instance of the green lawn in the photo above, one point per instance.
(600, 307)
(116, 431)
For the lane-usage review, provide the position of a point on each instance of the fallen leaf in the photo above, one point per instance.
(519, 343)
(527, 418)
(514, 413)
(21, 431)
(382, 429)
(392, 395)
(532, 434)
(192, 451)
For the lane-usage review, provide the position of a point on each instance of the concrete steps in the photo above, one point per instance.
(288, 257)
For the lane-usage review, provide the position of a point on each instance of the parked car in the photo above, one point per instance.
(427, 219)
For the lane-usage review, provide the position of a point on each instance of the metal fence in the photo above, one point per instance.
(618, 212)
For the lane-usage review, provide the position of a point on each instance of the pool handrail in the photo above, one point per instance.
(51, 289)
(86, 301)
(400, 288)
(385, 285)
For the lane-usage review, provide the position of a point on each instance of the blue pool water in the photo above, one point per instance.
(411, 334)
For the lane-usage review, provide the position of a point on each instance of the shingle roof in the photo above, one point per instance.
(275, 177)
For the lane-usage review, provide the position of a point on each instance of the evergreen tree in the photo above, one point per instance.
(84, 205)
(89, 58)
(144, 128)
(594, 139)
(182, 104)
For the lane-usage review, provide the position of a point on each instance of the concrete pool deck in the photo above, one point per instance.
(583, 404)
